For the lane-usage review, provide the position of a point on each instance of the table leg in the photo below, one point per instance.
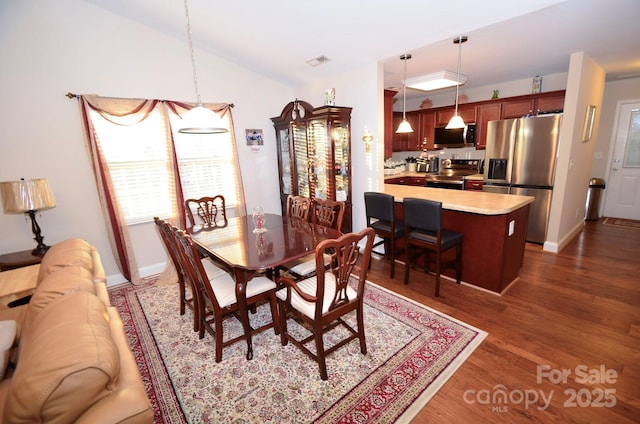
(241, 278)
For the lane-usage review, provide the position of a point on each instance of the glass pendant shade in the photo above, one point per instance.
(200, 120)
(404, 127)
(455, 122)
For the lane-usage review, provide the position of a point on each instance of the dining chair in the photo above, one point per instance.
(298, 207)
(327, 213)
(171, 246)
(423, 224)
(211, 211)
(322, 301)
(217, 296)
(381, 216)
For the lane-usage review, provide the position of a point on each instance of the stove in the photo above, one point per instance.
(452, 173)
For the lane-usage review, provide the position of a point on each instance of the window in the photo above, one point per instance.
(139, 159)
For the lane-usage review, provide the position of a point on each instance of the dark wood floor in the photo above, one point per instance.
(578, 310)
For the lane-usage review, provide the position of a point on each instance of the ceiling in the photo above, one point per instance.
(508, 40)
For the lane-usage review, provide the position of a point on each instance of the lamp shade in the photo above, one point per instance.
(201, 120)
(456, 121)
(26, 195)
(404, 127)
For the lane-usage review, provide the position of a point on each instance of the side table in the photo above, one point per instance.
(18, 259)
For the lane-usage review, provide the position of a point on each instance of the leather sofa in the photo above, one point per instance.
(71, 361)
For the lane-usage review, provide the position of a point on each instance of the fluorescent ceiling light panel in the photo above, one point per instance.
(318, 60)
(436, 81)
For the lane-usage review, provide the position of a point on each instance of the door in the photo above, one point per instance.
(622, 192)
(500, 141)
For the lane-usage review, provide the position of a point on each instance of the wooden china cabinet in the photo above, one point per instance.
(314, 154)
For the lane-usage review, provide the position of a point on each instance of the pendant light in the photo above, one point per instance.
(199, 120)
(456, 120)
(405, 126)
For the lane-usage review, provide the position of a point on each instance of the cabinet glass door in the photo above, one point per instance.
(341, 164)
(300, 157)
(319, 151)
(285, 160)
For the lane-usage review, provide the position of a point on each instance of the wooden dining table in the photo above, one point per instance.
(244, 252)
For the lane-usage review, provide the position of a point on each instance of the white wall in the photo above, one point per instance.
(585, 86)
(51, 47)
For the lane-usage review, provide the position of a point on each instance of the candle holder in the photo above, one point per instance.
(259, 220)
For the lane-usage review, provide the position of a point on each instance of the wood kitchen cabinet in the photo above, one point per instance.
(407, 141)
(476, 185)
(314, 154)
(467, 112)
(424, 121)
(517, 107)
(411, 181)
(486, 112)
(389, 129)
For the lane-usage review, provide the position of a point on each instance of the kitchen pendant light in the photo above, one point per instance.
(405, 126)
(456, 120)
(199, 120)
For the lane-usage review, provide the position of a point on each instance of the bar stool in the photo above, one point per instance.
(381, 216)
(423, 226)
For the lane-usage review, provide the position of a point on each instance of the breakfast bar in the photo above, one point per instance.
(494, 227)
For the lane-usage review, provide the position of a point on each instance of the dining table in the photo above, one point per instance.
(245, 250)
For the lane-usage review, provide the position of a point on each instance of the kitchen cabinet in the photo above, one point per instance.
(550, 102)
(407, 141)
(486, 112)
(410, 181)
(467, 112)
(517, 108)
(389, 129)
(427, 129)
(314, 154)
(476, 185)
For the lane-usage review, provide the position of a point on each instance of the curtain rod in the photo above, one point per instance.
(71, 95)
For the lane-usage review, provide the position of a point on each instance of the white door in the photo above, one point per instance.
(622, 191)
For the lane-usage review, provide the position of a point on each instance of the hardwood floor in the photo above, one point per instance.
(578, 311)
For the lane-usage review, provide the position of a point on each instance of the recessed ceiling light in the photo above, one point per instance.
(318, 60)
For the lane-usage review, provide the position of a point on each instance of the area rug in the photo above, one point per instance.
(412, 351)
(619, 222)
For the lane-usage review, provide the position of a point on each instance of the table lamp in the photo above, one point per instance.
(28, 197)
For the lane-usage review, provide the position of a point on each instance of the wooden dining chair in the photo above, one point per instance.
(211, 212)
(298, 207)
(423, 224)
(217, 296)
(381, 216)
(172, 248)
(327, 213)
(322, 301)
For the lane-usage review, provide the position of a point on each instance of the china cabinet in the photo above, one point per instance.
(314, 153)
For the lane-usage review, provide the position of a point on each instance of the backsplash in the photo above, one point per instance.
(457, 153)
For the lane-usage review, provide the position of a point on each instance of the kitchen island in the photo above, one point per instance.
(494, 227)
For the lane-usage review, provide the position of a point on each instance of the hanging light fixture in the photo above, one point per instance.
(199, 120)
(456, 120)
(405, 126)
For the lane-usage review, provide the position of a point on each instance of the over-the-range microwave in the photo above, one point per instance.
(455, 137)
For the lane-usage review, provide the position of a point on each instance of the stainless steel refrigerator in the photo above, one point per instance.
(520, 158)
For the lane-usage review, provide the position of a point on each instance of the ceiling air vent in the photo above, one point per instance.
(318, 60)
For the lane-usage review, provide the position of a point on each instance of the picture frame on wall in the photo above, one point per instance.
(589, 119)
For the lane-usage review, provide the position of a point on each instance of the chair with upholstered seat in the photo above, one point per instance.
(211, 211)
(323, 300)
(212, 271)
(217, 297)
(423, 226)
(381, 216)
(325, 212)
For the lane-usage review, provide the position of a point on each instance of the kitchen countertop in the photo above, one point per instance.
(479, 202)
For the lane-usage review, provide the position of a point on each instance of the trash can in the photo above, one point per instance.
(596, 185)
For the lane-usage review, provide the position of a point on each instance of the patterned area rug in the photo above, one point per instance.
(619, 222)
(412, 351)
